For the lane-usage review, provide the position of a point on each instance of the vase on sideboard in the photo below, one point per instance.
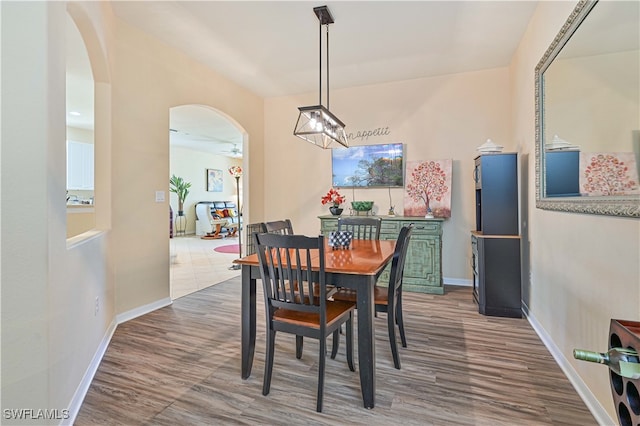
(335, 210)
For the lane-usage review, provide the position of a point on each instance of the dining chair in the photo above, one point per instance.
(290, 305)
(386, 299)
(279, 227)
(363, 228)
(253, 228)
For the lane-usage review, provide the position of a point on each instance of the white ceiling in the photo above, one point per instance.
(202, 129)
(272, 47)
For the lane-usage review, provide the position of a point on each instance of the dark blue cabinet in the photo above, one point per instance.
(495, 243)
(561, 173)
(496, 275)
(496, 180)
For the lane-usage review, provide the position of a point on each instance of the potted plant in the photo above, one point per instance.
(181, 189)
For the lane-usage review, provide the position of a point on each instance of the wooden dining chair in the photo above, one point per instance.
(386, 299)
(363, 228)
(283, 227)
(290, 305)
(253, 228)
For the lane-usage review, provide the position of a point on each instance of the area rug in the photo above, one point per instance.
(231, 248)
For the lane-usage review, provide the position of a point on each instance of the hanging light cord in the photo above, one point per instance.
(320, 59)
(328, 66)
(320, 67)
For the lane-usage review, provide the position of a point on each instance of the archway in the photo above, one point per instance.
(88, 87)
(203, 141)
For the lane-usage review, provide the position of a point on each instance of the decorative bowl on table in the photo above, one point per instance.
(362, 206)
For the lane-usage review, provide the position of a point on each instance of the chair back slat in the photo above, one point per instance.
(283, 227)
(363, 228)
(253, 228)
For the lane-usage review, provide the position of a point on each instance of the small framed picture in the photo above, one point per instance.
(214, 180)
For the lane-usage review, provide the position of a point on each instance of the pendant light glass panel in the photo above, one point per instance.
(318, 125)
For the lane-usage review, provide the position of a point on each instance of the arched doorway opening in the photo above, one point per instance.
(80, 134)
(204, 144)
(88, 88)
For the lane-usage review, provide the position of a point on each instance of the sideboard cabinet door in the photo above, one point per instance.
(496, 264)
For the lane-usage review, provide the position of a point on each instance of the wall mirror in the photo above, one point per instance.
(588, 112)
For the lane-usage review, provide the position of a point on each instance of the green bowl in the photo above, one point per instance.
(362, 206)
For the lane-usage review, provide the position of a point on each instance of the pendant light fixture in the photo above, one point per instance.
(316, 124)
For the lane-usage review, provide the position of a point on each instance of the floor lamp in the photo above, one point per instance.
(236, 172)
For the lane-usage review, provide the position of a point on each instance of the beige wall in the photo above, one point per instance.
(436, 118)
(50, 285)
(26, 210)
(584, 268)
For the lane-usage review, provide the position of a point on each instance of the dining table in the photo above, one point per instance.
(357, 267)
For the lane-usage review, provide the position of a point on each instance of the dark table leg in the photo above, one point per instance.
(366, 343)
(248, 320)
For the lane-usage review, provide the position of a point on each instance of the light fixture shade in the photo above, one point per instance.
(235, 171)
(318, 125)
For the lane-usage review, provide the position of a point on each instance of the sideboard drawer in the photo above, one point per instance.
(390, 227)
(434, 228)
(328, 226)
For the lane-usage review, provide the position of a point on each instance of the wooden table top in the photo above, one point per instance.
(364, 257)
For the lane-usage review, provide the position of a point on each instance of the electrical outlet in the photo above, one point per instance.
(97, 308)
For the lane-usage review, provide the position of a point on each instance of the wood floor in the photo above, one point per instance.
(180, 365)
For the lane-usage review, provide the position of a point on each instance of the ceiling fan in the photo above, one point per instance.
(233, 152)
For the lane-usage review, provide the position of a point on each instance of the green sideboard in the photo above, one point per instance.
(423, 267)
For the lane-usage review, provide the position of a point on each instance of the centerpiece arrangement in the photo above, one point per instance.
(334, 198)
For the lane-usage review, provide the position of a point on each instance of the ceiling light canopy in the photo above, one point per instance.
(316, 124)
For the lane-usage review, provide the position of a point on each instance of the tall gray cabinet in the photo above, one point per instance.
(495, 243)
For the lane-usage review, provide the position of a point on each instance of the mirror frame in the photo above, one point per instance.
(627, 206)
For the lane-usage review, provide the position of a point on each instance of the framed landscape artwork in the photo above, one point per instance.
(214, 180)
(428, 187)
(368, 166)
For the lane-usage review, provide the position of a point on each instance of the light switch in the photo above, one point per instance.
(159, 196)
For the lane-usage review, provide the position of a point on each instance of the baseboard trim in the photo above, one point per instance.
(457, 281)
(83, 387)
(597, 410)
(141, 310)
